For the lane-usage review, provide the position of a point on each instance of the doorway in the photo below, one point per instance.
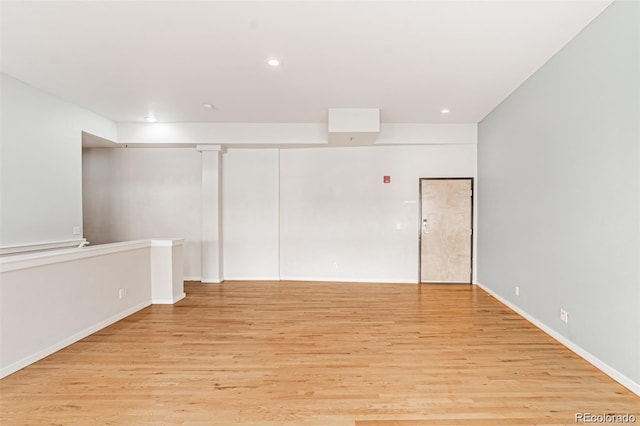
(446, 230)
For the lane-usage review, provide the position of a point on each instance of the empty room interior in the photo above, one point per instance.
(320, 212)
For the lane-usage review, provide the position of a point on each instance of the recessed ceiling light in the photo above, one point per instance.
(150, 119)
(445, 111)
(207, 106)
(274, 62)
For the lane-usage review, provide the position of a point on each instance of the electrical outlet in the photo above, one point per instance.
(517, 290)
(564, 316)
(122, 293)
(75, 230)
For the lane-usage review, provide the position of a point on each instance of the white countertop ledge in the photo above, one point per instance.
(31, 260)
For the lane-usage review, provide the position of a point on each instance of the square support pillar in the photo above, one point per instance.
(211, 214)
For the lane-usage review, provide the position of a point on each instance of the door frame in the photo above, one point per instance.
(420, 180)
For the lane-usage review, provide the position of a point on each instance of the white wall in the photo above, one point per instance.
(559, 180)
(311, 214)
(250, 209)
(338, 221)
(139, 193)
(40, 155)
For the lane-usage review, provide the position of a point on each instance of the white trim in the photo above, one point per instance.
(12, 368)
(210, 281)
(405, 280)
(590, 358)
(168, 301)
(167, 242)
(209, 147)
(40, 246)
(33, 260)
(191, 278)
(251, 279)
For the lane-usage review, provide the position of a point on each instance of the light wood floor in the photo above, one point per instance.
(315, 353)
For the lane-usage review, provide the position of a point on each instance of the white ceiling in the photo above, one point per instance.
(125, 59)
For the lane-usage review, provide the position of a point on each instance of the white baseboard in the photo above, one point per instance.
(251, 278)
(587, 356)
(168, 301)
(210, 280)
(403, 280)
(12, 368)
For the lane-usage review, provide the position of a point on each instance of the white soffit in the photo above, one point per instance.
(223, 133)
(287, 134)
(421, 133)
(92, 141)
(357, 120)
(353, 126)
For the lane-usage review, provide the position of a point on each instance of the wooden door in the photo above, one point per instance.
(446, 230)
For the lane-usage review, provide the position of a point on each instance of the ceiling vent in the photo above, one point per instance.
(353, 126)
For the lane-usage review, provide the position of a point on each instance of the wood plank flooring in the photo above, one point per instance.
(275, 353)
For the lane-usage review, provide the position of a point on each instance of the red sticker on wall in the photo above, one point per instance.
(386, 179)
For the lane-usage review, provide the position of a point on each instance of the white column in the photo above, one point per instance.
(211, 217)
(167, 285)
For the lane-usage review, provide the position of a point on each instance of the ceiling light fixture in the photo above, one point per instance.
(150, 119)
(274, 62)
(445, 111)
